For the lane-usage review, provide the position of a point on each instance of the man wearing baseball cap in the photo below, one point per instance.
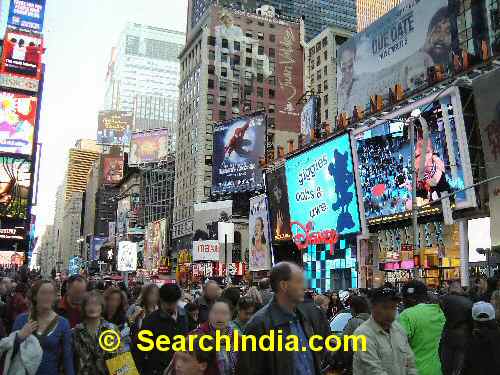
(387, 349)
(483, 350)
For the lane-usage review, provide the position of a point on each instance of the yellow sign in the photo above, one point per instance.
(122, 365)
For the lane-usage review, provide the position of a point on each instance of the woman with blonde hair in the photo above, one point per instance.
(255, 295)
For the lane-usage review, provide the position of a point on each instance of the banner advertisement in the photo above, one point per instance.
(259, 236)
(398, 48)
(322, 193)
(279, 214)
(206, 217)
(75, 265)
(122, 215)
(384, 155)
(127, 256)
(22, 54)
(15, 180)
(95, 247)
(488, 113)
(206, 250)
(149, 147)
(19, 83)
(111, 229)
(27, 14)
(239, 145)
(17, 123)
(114, 127)
(112, 169)
(16, 234)
(154, 244)
(309, 119)
(11, 258)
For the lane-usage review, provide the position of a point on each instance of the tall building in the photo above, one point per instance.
(72, 243)
(320, 70)
(368, 11)
(238, 63)
(318, 14)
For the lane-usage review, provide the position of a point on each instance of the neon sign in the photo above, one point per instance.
(303, 237)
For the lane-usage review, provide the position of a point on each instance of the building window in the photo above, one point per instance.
(272, 52)
(223, 72)
(260, 105)
(260, 77)
(260, 50)
(248, 90)
(318, 46)
(223, 57)
(249, 48)
(248, 75)
(236, 74)
(324, 42)
(272, 38)
(222, 115)
(318, 60)
(222, 100)
(319, 89)
(210, 83)
(211, 55)
(248, 62)
(326, 114)
(236, 89)
(318, 75)
(272, 67)
(325, 99)
(249, 34)
(211, 40)
(271, 108)
(235, 102)
(236, 46)
(260, 35)
(272, 80)
(325, 55)
(210, 99)
(210, 115)
(236, 59)
(325, 85)
(211, 69)
(223, 85)
(260, 65)
(225, 43)
(260, 92)
(325, 70)
(271, 93)
(271, 122)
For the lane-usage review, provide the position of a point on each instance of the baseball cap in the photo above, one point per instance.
(384, 294)
(483, 311)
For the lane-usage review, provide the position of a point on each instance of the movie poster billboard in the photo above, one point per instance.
(15, 181)
(127, 256)
(384, 155)
(153, 244)
(238, 147)
(114, 127)
(122, 215)
(322, 192)
(206, 217)
(22, 54)
(398, 48)
(488, 113)
(17, 123)
(309, 119)
(149, 147)
(27, 14)
(112, 169)
(95, 246)
(279, 213)
(259, 235)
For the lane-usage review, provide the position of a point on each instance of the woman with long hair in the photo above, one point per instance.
(115, 311)
(52, 331)
(146, 303)
(258, 251)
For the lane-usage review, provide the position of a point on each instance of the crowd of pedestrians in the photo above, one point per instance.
(51, 329)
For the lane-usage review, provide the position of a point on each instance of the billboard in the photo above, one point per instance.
(155, 243)
(279, 214)
(396, 49)
(122, 215)
(384, 155)
(149, 147)
(239, 145)
(259, 236)
(22, 54)
(112, 169)
(95, 247)
(114, 127)
(309, 118)
(322, 192)
(27, 14)
(17, 123)
(127, 256)
(206, 250)
(15, 181)
(206, 217)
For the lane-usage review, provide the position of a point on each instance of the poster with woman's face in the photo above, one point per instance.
(259, 238)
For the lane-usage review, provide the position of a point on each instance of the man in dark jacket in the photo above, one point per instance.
(70, 304)
(169, 320)
(211, 291)
(288, 313)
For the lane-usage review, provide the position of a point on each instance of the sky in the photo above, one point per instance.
(78, 38)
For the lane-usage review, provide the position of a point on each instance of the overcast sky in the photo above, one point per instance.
(78, 37)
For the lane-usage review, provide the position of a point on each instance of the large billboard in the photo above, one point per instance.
(279, 213)
(384, 155)
(149, 147)
(126, 261)
(309, 118)
(15, 180)
(396, 49)
(112, 169)
(322, 191)
(239, 145)
(95, 246)
(27, 14)
(206, 217)
(114, 127)
(22, 54)
(17, 123)
(155, 244)
(259, 236)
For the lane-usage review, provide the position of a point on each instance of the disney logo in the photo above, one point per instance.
(304, 236)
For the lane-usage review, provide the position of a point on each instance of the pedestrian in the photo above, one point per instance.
(52, 331)
(322, 302)
(211, 291)
(387, 349)
(495, 300)
(195, 360)
(90, 358)
(70, 304)
(457, 309)
(115, 311)
(218, 320)
(192, 312)
(483, 352)
(18, 304)
(284, 313)
(254, 294)
(245, 310)
(423, 322)
(265, 290)
(169, 320)
(335, 306)
(146, 303)
(232, 294)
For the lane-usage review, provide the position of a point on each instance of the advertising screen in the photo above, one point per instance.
(309, 118)
(149, 147)
(114, 127)
(15, 180)
(322, 191)
(279, 214)
(27, 14)
(239, 144)
(396, 49)
(112, 169)
(384, 154)
(127, 256)
(259, 236)
(22, 54)
(17, 123)
(95, 247)
(206, 250)
(206, 217)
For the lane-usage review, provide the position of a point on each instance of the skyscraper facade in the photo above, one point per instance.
(368, 11)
